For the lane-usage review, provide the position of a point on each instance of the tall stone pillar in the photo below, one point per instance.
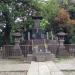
(36, 33)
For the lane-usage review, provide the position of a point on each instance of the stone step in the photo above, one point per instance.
(41, 57)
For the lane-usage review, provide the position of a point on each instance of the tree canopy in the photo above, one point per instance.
(18, 13)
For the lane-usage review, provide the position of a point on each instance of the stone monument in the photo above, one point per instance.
(40, 52)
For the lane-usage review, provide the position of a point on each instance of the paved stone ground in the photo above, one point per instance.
(66, 64)
(11, 61)
(19, 67)
(13, 73)
(44, 68)
(13, 67)
(69, 72)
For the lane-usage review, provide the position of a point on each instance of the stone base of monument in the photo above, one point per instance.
(50, 56)
(30, 57)
(41, 57)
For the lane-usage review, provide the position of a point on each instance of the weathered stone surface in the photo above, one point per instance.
(30, 57)
(44, 56)
(16, 49)
(14, 73)
(44, 68)
(14, 67)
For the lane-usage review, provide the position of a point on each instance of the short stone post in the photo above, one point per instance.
(28, 35)
(52, 35)
(47, 36)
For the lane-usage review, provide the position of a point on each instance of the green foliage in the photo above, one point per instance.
(44, 24)
(71, 7)
(29, 24)
(22, 8)
(65, 2)
(19, 13)
(72, 40)
(47, 9)
(3, 7)
(50, 10)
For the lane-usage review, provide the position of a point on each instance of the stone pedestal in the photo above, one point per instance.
(17, 52)
(30, 57)
(42, 55)
(47, 56)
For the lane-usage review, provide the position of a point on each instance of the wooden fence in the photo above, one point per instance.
(50, 45)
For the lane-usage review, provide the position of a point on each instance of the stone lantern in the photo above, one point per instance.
(61, 35)
(16, 49)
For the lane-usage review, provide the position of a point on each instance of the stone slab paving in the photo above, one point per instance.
(44, 68)
(13, 73)
(11, 61)
(54, 70)
(8, 67)
(67, 67)
(14, 67)
(68, 64)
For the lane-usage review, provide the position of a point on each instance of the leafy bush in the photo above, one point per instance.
(44, 24)
(71, 7)
(50, 11)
